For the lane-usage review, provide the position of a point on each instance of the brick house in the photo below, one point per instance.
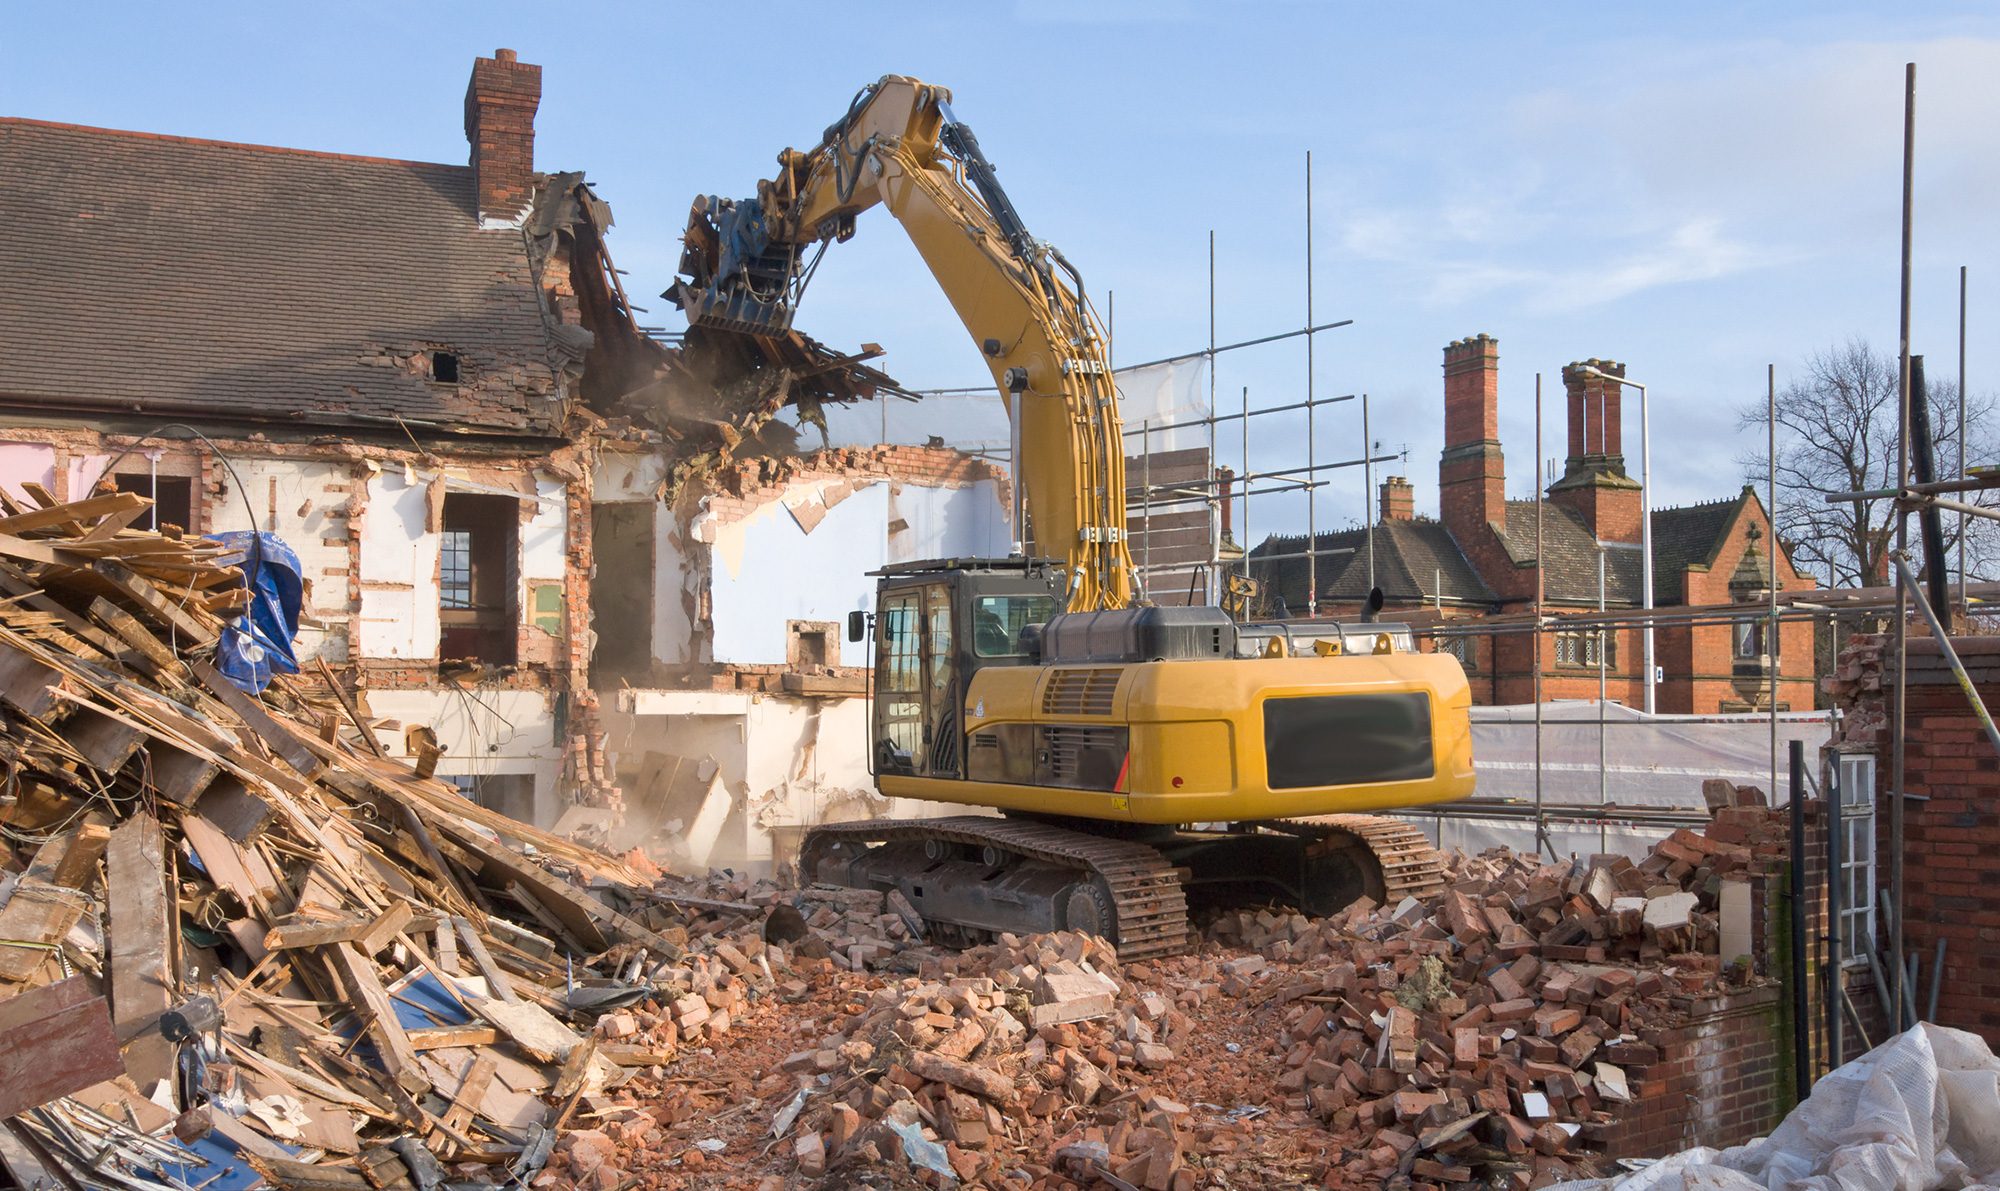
(1477, 563)
(521, 521)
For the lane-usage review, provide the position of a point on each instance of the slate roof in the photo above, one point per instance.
(1569, 572)
(165, 275)
(1689, 536)
(1412, 559)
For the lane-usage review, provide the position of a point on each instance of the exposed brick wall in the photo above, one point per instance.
(1713, 1080)
(1951, 826)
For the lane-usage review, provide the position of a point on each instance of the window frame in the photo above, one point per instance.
(1854, 784)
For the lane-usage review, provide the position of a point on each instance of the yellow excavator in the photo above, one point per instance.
(1138, 754)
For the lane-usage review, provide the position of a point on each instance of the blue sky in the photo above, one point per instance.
(1695, 189)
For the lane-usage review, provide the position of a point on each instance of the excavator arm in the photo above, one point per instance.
(747, 264)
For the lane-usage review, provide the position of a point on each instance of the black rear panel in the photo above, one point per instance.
(1347, 740)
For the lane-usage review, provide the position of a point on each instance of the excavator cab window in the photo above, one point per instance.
(916, 683)
(997, 622)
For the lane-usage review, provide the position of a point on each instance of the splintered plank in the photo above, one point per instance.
(357, 974)
(135, 867)
(103, 740)
(135, 875)
(178, 775)
(139, 590)
(258, 719)
(496, 980)
(48, 900)
(465, 1102)
(134, 634)
(370, 934)
(74, 511)
(54, 1040)
(27, 685)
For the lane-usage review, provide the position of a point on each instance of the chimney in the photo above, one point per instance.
(1595, 415)
(500, 104)
(1594, 485)
(1225, 483)
(1399, 500)
(1472, 476)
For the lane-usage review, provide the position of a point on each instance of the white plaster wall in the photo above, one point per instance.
(26, 463)
(673, 584)
(782, 762)
(399, 556)
(767, 569)
(619, 475)
(544, 538)
(484, 731)
(304, 503)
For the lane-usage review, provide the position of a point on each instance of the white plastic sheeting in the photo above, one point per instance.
(1654, 762)
(1921, 1111)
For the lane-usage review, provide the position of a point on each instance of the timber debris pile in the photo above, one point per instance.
(241, 941)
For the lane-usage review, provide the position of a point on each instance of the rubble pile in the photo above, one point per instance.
(1471, 1038)
(241, 940)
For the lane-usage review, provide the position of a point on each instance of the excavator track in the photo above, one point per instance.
(1146, 888)
(1411, 867)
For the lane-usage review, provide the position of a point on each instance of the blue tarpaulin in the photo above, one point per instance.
(258, 644)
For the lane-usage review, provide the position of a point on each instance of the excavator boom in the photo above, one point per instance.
(747, 263)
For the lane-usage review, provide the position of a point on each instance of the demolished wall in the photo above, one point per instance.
(744, 722)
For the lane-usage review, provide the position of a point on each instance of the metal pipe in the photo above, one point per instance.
(1368, 485)
(1773, 648)
(1146, 500)
(1908, 492)
(1211, 350)
(1246, 489)
(1603, 769)
(1645, 520)
(1312, 498)
(1801, 1026)
(1961, 445)
(1836, 909)
(1198, 486)
(1898, 716)
(1541, 822)
(1951, 659)
(1214, 533)
(1937, 980)
(1262, 410)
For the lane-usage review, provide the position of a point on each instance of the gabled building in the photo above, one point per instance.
(546, 551)
(1477, 562)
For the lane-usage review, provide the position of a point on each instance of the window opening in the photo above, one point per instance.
(1750, 639)
(172, 496)
(478, 578)
(444, 367)
(1459, 647)
(1584, 649)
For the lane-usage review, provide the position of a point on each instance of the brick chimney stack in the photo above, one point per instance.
(1399, 500)
(1472, 476)
(500, 104)
(1594, 484)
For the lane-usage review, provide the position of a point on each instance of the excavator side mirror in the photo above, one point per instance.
(857, 625)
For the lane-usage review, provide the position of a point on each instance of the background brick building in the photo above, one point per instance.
(1478, 563)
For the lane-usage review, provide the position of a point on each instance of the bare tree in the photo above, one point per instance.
(1837, 433)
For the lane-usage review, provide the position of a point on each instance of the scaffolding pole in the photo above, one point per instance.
(1898, 717)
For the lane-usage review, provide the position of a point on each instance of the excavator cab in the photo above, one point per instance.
(936, 625)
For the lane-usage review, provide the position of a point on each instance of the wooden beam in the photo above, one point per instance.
(27, 685)
(46, 902)
(54, 1040)
(142, 982)
(465, 1104)
(357, 974)
(74, 511)
(497, 985)
(439, 1037)
(105, 741)
(134, 634)
(287, 746)
(136, 588)
(369, 934)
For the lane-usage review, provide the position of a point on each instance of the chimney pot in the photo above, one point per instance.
(504, 55)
